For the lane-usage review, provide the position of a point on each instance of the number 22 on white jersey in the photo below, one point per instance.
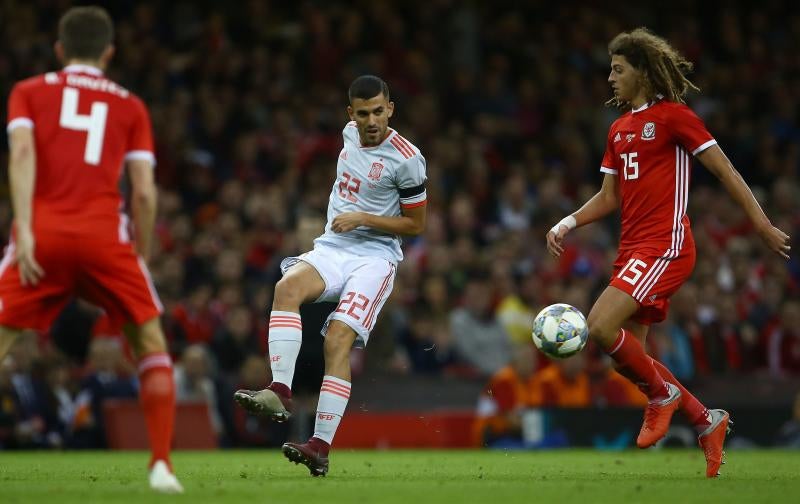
(93, 124)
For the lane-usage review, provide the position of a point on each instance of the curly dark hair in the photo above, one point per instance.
(663, 68)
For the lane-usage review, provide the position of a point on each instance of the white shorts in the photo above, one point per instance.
(361, 285)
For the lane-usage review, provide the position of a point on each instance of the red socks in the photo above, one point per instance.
(629, 355)
(694, 410)
(691, 407)
(157, 397)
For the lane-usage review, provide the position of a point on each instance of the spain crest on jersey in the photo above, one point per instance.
(375, 171)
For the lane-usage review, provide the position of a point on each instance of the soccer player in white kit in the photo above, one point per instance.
(379, 194)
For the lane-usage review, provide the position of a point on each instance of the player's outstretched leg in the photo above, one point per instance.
(275, 401)
(611, 310)
(712, 441)
(300, 284)
(157, 397)
(333, 397)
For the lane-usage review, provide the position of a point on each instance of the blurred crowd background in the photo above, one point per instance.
(506, 103)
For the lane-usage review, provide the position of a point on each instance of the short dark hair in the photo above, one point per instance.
(85, 32)
(366, 87)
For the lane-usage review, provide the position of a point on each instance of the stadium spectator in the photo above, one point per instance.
(479, 339)
(103, 380)
(195, 382)
(564, 384)
(235, 340)
(783, 342)
(508, 392)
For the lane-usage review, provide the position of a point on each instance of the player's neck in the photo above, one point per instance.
(638, 101)
(86, 63)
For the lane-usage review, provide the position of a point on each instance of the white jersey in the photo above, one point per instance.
(378, 180)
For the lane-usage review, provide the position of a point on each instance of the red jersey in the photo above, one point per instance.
(649, 150)
(85, 126)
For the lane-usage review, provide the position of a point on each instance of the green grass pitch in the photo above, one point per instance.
(415, 477)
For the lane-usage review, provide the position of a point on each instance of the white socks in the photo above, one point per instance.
(333, 398)
(285, 337)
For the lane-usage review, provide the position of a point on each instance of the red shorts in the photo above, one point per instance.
(651, 276)
(107, 273)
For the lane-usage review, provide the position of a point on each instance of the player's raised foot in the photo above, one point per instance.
(265, 402)
(657, 417)
(162, 480)
(312, 454)
(712, 440)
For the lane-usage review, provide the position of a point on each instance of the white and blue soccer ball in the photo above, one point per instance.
(560, 330)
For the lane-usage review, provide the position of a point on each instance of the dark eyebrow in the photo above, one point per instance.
(377, 109)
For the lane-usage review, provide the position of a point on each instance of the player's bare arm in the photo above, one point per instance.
(601, 204)
(22, 175)
(143, 204)
(411, 223)
(718, 163)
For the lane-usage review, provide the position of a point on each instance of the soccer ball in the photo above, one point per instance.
(560, 330)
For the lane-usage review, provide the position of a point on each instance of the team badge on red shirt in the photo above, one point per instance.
(649, 131)
(375, 171)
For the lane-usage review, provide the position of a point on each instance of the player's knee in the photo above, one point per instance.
(600, 332)
(288, 292)
(151, 338)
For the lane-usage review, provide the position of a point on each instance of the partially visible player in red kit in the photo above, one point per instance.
(71, 133)
(647, 167)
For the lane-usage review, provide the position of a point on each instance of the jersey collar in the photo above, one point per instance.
(659, 97)
(85, 69)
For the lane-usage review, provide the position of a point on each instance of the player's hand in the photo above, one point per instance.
(30, 272)
(555, 240)
(347, 221)
(776, 240)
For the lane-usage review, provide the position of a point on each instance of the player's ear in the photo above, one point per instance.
(58, 48)
(350, 113)
(108, 53)
(390, 109)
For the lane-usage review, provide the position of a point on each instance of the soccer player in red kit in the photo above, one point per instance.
(70, 134)
(647, 170)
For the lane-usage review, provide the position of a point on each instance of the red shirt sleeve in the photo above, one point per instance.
(140, 140)
(19, 111)
(689, 130)
(609, 164)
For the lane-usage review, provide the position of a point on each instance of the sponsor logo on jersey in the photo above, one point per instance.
(649, 131)
(630, 136)
(617, 138)
(375, 171)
